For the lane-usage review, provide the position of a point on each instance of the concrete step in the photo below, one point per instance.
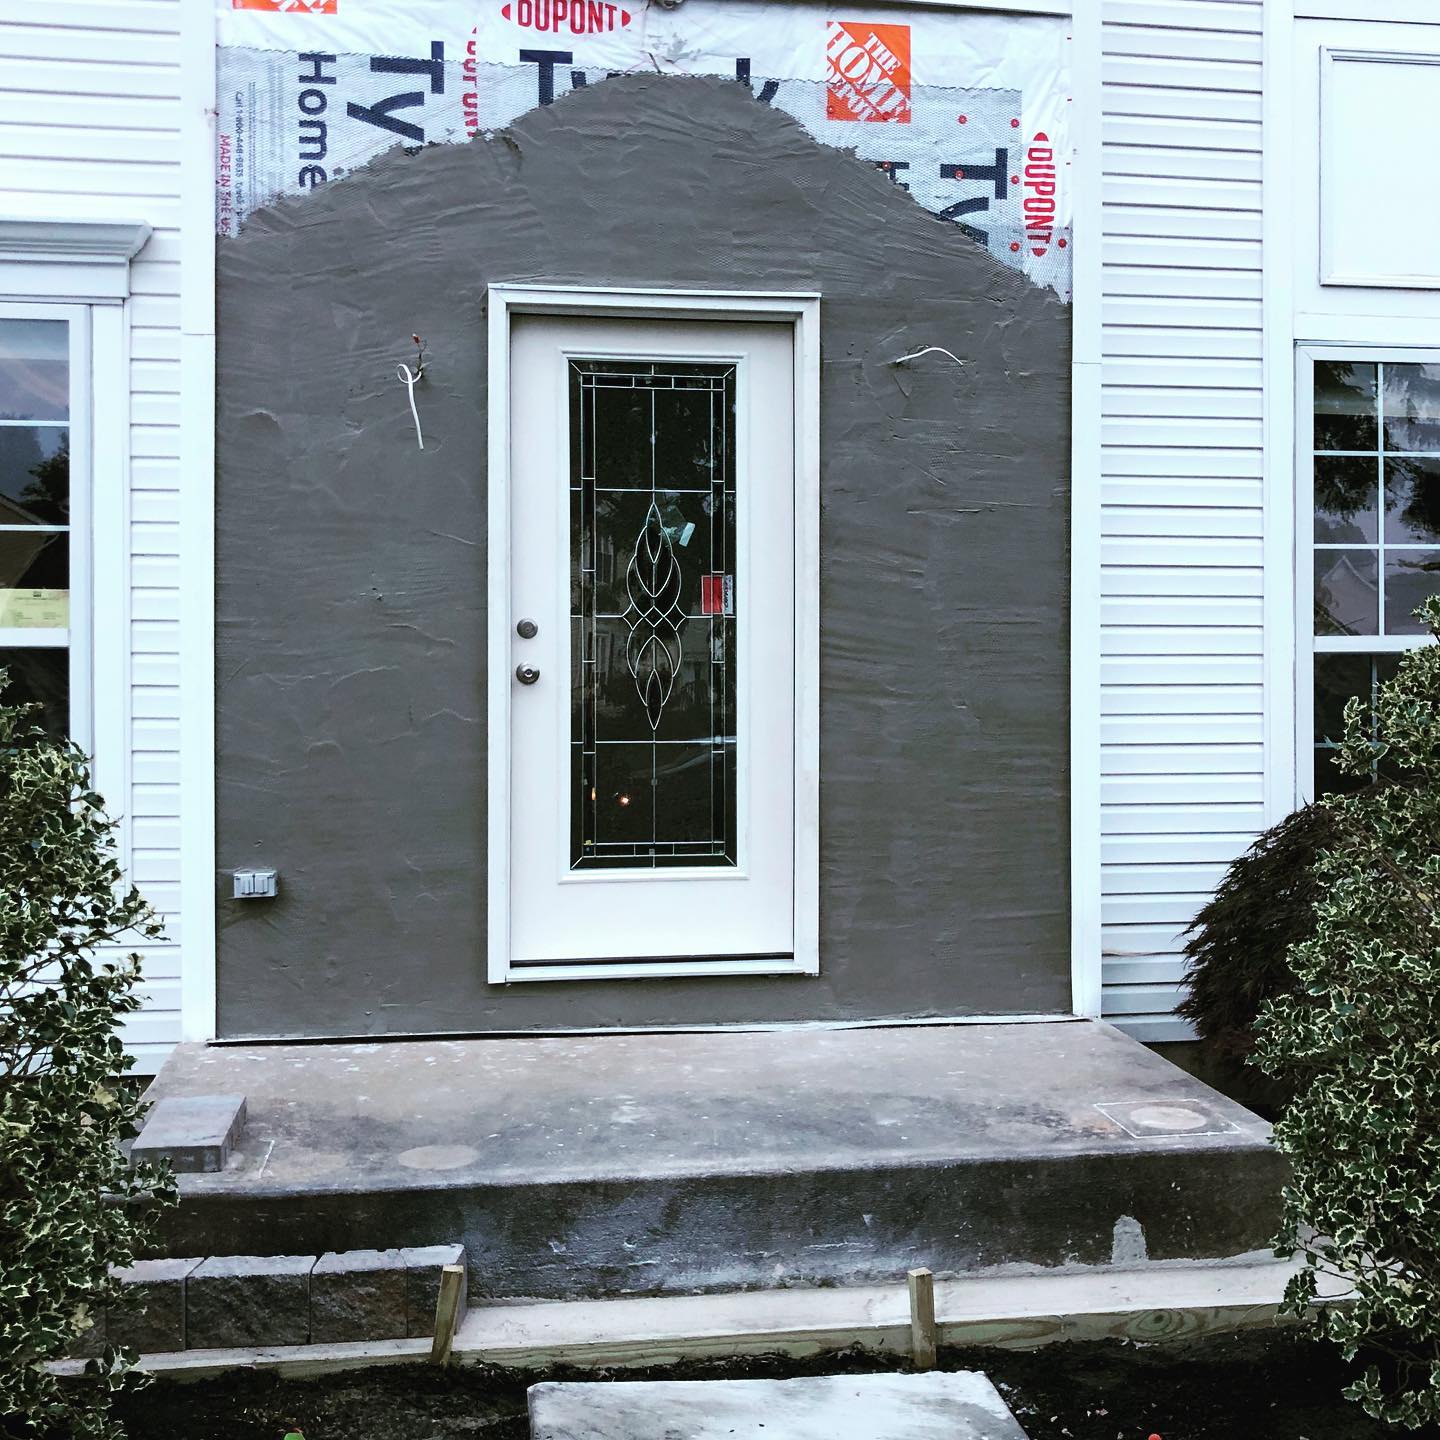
(959, 1405)
(650, 1164)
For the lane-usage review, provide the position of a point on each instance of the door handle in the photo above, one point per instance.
(526, 674)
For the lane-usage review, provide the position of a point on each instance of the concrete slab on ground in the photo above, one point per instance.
(585, 1166)
(961, 1405)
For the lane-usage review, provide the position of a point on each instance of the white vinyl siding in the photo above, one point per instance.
(1182, 764)
(90, 130)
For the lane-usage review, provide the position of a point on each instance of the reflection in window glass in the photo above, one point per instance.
(34, 475)
(34, 370)
(34, 579)
(1371, 572)
(1346, 500)
(1410, 576)
(35, 513)
(1412, 500)
(39, 676)
(1338, 678)
(1377, 531)
(1347, 592)
(1412, 407)
(1345, 405)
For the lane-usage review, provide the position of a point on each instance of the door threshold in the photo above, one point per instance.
(741, 1027)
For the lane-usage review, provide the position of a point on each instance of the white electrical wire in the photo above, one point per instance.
(408, 377)
(928, 350)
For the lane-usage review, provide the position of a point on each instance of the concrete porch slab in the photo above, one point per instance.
(961, 1405)
(586, 1166)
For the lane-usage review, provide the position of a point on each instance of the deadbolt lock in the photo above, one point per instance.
(527, 629)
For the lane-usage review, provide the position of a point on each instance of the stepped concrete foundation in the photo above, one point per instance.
(591, 1166)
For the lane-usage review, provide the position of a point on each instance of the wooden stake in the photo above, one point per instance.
(447, 1313)
(923, 1334)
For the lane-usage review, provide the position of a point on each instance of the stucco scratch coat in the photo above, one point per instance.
(352, 569)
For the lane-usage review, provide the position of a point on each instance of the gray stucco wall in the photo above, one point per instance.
(352, 569)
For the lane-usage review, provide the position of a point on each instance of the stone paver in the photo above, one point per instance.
(195, 1133)
(153, 1319)
(962, 1405)
(247, 1300)
(423, 1264)
(358, 1295)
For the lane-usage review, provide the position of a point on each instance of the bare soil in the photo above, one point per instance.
(1270, 1385)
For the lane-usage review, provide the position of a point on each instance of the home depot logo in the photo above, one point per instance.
(289, 7)
(577, 17)
(868, 72)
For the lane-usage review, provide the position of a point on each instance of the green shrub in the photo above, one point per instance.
(1358, 1041)
(1239, 943)
(64, 1105)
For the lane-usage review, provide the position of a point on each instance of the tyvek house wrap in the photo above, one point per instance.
(968, 111)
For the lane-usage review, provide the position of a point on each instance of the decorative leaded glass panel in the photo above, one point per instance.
(652, 574)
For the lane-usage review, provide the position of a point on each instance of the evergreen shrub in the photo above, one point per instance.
(70, 1205)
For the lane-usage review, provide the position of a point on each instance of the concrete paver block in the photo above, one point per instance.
(423, 1265)
(248, 1300)
(152, 1320)
(962, 1405)
(358, 1295)
(195, 1133)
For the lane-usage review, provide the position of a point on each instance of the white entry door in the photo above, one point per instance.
(651, 662)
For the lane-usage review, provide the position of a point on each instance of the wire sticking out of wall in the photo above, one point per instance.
(408, 377)
(927, 350)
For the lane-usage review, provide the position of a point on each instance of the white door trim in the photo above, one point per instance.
(803, 313)
(1087, 353)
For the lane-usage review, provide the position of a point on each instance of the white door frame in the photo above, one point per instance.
(802, 311)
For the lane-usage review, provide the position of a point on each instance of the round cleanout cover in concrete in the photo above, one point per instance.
(933, 1406)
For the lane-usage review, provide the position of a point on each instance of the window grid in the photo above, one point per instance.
(1356, 661)
(44, 357)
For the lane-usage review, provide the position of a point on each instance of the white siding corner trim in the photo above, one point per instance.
(1182, 752)
(92, 213)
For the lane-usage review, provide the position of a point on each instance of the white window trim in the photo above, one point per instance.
(1304, 560)
(79, 271)
(68, 260)
(803, 312)
(77, 637)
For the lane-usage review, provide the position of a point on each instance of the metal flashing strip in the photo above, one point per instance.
(739, 1027)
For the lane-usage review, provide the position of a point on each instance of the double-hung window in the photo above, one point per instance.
(1371, 464)
(44, 520)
